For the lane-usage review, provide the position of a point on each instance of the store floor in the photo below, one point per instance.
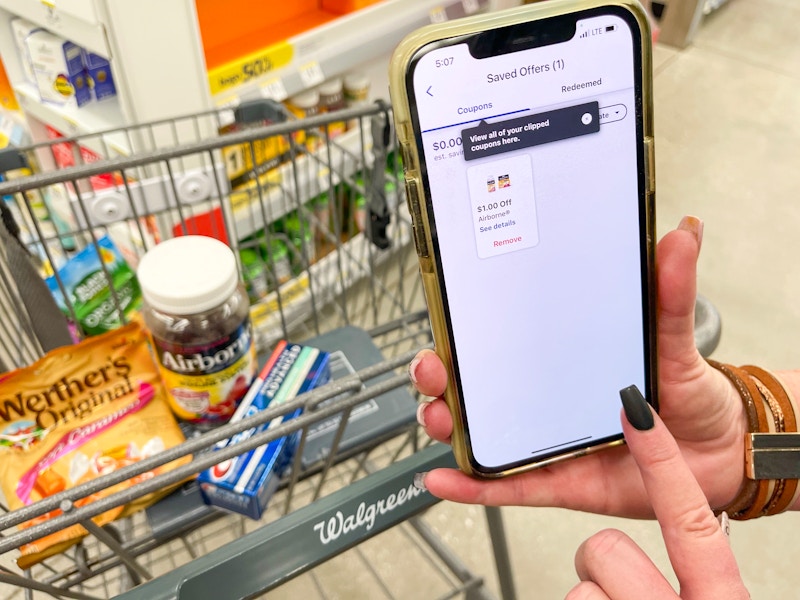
(728, 150)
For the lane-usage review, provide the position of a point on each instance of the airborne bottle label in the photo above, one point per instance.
(206, 381)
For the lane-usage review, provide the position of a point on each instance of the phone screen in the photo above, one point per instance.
(534, 174)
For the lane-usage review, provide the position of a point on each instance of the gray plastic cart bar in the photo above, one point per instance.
(303, 539)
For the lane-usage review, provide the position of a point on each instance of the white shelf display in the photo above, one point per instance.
(156, 53)
(307, 177)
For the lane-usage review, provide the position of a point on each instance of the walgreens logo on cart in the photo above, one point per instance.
(338, 524)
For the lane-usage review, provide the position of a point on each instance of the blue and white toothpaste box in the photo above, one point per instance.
(244, 484)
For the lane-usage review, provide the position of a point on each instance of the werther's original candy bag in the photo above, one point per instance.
(78, 413)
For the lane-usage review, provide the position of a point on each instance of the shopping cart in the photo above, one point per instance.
(345, 266)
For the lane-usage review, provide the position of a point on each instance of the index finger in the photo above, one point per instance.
(698, 549)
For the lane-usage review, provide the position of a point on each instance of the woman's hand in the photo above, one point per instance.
(697, 403)
(611, 566)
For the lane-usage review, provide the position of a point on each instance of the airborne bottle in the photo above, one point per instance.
(198, 314)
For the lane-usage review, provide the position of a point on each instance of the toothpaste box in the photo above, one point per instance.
(245, 483)
(58, 69)
(101, 79)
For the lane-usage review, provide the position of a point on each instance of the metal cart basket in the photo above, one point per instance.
(314, 210)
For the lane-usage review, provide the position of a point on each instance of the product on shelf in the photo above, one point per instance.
(197, 312)
(356, 93)
(264, 267)
(331, 99)
(297, 229)
(8, 102)
(20, 30)
(58, 69)
(254, 274)
(37, 210)
(64, 153)
(78, 413)
(245, 483)
(100, 78)
(320, 207)
(87, 287)
(210, 223)
(69, 154)
(247, 161)
(305, 105)
(102, 181)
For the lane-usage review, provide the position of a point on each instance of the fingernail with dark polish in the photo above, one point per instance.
(637, 410)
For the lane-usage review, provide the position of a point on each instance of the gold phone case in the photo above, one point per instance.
(415, 193)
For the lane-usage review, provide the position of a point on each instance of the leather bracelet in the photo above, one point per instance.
(794, 404)
(768, 488)
(765, 487)
(778, 421)
(785, 488)
(748, 493)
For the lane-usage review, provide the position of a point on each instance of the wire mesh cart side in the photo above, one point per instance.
(317, 220)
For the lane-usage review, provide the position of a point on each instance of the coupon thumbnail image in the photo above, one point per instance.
(504, 181)
(490, 187)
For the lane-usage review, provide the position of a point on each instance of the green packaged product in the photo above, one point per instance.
(87, 287)
(298, 230)
(253, 274)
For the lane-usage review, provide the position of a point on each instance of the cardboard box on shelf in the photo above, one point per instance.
(101, 79)
(58, 69)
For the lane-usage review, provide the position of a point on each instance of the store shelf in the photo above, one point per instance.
(280, 189)
(308, 177)
(325, 280)
(73, 121)
(342, 45)
(75, 20)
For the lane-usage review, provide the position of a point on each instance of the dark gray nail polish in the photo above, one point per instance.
(637, 410)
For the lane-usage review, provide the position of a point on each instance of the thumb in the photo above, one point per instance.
(676, 278)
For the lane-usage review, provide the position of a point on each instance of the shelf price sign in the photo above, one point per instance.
(438, 15)
(311, 74)
(250, 67)
(275, 89)
(457, 10)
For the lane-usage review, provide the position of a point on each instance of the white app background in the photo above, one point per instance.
(547, 328)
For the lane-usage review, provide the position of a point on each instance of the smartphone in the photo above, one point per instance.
(527, 142)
